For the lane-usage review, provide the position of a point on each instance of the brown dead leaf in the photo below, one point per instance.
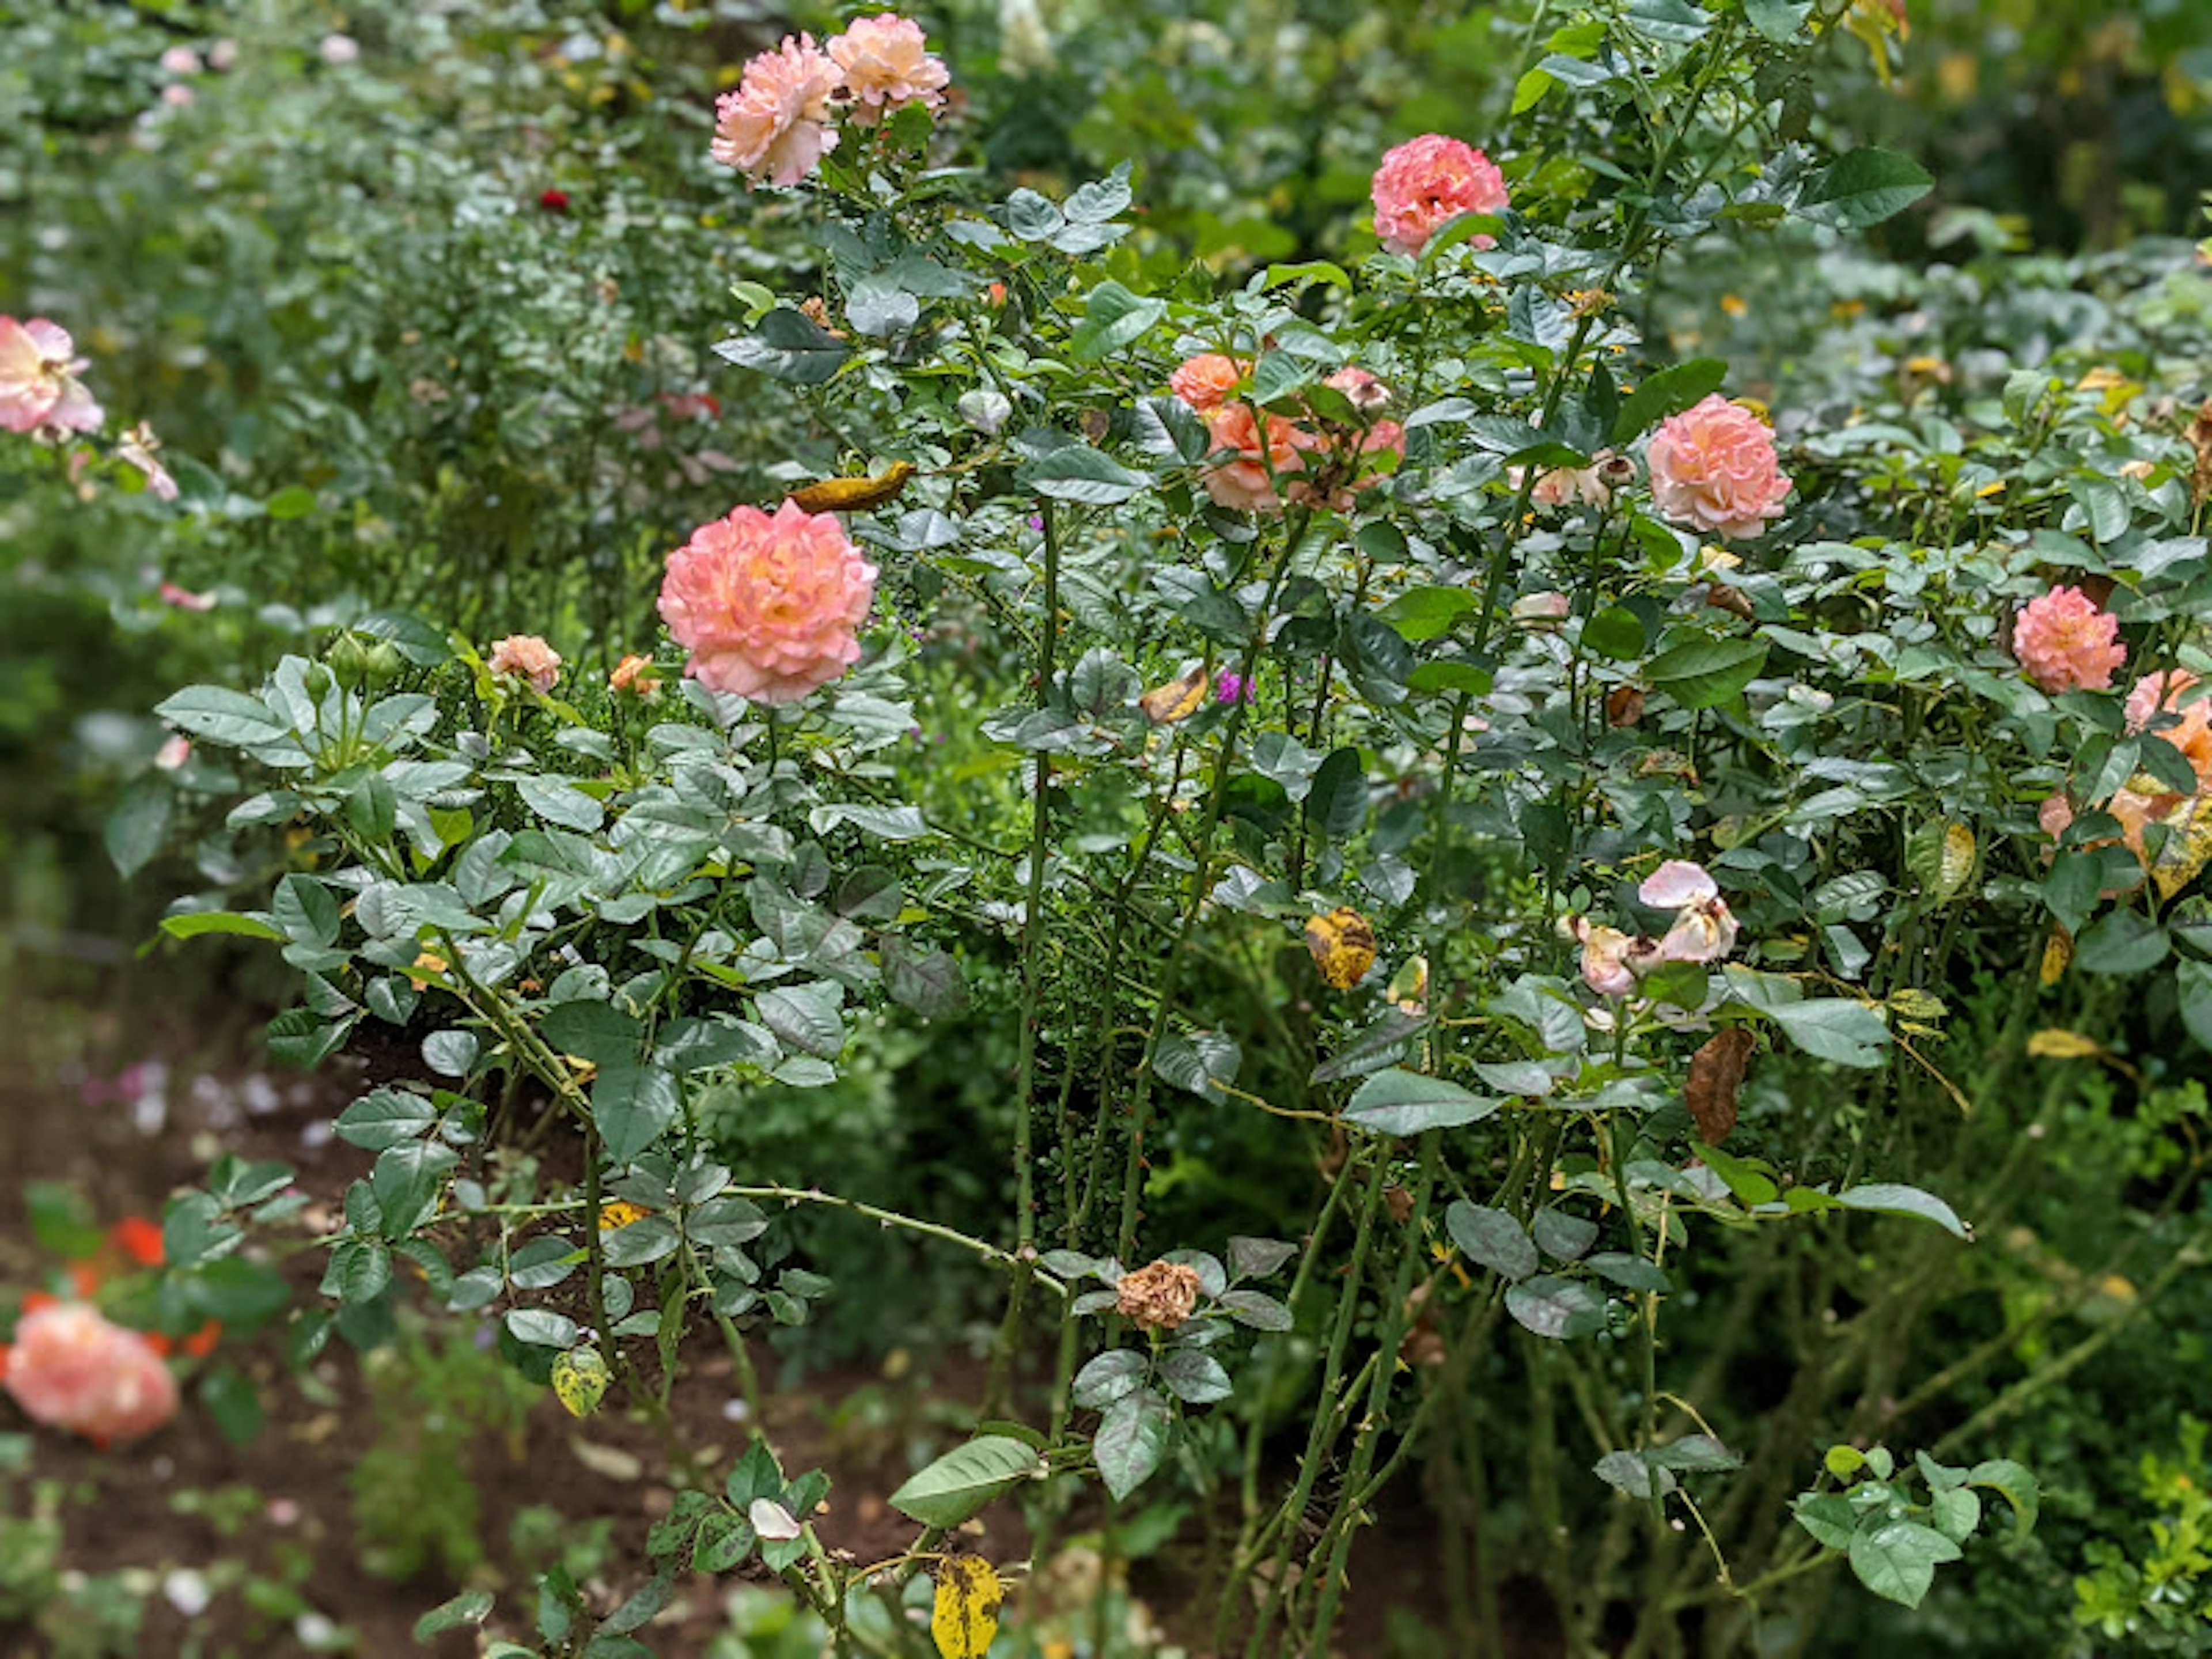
(1715, 1079)
(1178, 700)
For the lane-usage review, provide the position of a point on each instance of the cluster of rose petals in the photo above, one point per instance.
(38, 388)
(72, 1368)
(773, 125)
(1713, 468)
(527, 656)
(2068, 642)
(886, 65)
(1244, 485)
(1703, 930)
(2189, 730)
(1427, 181)
(1205, 381)
(767, 606)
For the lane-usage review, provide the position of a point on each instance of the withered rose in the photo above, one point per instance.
(1158, 1296)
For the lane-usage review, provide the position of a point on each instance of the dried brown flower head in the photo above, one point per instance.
(1158, 1296)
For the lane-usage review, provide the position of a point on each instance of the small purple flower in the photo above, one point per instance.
(1232, 687)
(1036, 522)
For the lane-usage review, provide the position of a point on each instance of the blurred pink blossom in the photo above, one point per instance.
(2067, 642)
(71, 1368)
(886, 65)
(1205, 381)
(772, 127)
(1714, 469)
(767, 606)
(184, 600)
(38, 388)
(1428, 181)
(137, 449)
(339, 50)
(174, 752)
(180, 60)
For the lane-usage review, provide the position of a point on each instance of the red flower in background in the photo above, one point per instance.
(554, 201)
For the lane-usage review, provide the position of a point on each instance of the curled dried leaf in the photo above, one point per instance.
(853, 495)
(1178, 700)
(1716, 1073)
(1342, 946)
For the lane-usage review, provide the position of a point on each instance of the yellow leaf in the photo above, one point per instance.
(1178, 700)
(965, 1617)
(2057, 953)
(580, 1380)
(2188, 847)
(853, 495)
(620, 1214)
(2055, 1044)
(1342, 945)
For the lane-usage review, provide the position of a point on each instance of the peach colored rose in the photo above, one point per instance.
(633, 676)
(767, 606)
(1242, 483)
(886, 65)
(71, 1368)
(2066, 642)
(1159, 1296)
(1205, 381)
(2168, 694)
(1427, 181)
(38, 388)
(772, 126)
(527, 656)
(1713, 468)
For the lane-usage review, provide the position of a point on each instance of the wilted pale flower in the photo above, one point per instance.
(767, 606)
(137, 449)
(2067, 642)
(175, 751)
(1713, 467)
(1242, 483)
(1540, 610)
(527, 656)
(1427, 181)
(39, 387)
(1361, 389)
(1157, 1297)
(772, 126)
(1205, 381)
(1566, 486)
(72, 1368)
(222, 55)
(1607, 955)
(339, 50)
(887, 65)
(1705, 930)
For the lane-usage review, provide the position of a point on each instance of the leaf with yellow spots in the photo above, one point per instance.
(2055, 1044)
(580, 1380)
(1942, 857)
(620, 1214)
(964, 1619)
(1178, 700)
(1342, 945)
(853, 495)
(2188, 847)
(2057, 952)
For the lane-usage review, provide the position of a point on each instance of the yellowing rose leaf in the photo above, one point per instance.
(2056, 954)
(964, 1618)
(620, 1214)
(1178, 700)
(2055, 1044)
(2188, 847)
(853, 495)
(580, 1380)
(1342, 945)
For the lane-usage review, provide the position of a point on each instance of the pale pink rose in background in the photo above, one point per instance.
(339, 50)
(1566, 486)
(222, 55)
(176, 95)
(71, 1368)
(1704, 929)
(180, 60)
(887, 65)
(771, 126)
(2055, 815)
(175, 751)
(527, 656)
(1205, 381)
(1361, 389)
(137, 449)
(1537, 610)
(2067, 643)
(1713, 468)
(39, 387)
(1428, 181)
(1242, 484)
(1676, 882)
(1607, 953)
(767, 606)
(184, 600)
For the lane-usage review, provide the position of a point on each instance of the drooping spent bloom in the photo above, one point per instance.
(39, 387)
(1705, 930)
(1158, 1296)
(1242, 483)
(2068, 642)
(887, 65)
(72, 1368)
(1427, 181)
(768, 605)
(1205, 381)
(773, 125)
(137, 449)
(1713, 468)
(1607, 954)
(527, 656)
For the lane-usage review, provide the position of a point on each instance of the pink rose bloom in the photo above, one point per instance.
(71, 1368)
(772, 126)
(2067, 643)
(887, 66)
(2168, 694)
(1242, 484)
(184, 600)
(1538, 610)
(1428, 181)
(1607, 954)
(1565, 486)
(222, 55)
(767, 606)
(1205, 381)
(175, 751)
(180, 60)
(339, 50)
(176, 95)
(1713, 468)
(1361, 389)
(39, 387)
(2055, 815)
(527, 656)
(1705, 930)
